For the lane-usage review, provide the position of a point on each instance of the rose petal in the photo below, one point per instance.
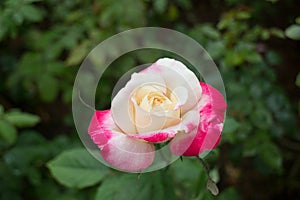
(189, 122)
(149, 121)
(122, 107)
(212, 107)
(116, 148)
(128, 154)
(102, 127)
(177, 75)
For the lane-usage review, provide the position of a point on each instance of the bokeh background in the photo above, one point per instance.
(255, 44)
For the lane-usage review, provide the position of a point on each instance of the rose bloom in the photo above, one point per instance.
(164, 102)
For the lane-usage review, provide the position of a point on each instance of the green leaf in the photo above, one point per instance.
(7, 132)
(253, 57)
(21, 119)
(231, 125)
(77, 169)
(32, 13)
(273, 58)
(272, 1)
(297, 82)
(48, 88)
(160, 5)
(210, 31)
(233, 58)
(77, 54)
(130, 186)
(271, 155)
(293, 32)
(1, 110)
(277, 32)
(243, 15)
(297, 20)
(261, 118)
(229, 193)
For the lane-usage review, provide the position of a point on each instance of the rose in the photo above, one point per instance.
(163, 102)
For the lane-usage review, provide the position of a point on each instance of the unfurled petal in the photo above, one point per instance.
(128, 154)
(122, 107)
(212, 108)
(102, 127)
(177, 75)
(118, 149)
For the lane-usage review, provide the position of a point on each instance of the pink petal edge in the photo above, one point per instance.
(212, 109)
(189, 122)
(116, 148)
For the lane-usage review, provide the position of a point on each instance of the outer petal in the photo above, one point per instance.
(178, 77)
(212, 107)
(122, 107)
(116, 148)
(189, 122)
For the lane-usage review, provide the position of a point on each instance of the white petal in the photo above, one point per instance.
(181, 94)
(154, 121)
(175, 75)
(122, 107)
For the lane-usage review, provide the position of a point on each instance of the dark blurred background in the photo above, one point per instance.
(255, 44)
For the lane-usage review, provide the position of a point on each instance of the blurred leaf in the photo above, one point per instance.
(233, 58)
(297, 20)
(272, 1)
(7, 132)
(77, 169)
(261, 118)
(265, 34)
(271, 155)
(48, 87)
(277, 32)
(129, 186)
(293, 32)
(188, 176)
(216, 49)
(172, 13)
(77, 54)
(229, 193)
(1, 110)
(253, 57)
(297, 82)
(243, 15)
(273, 58)
(210, 31)
(32, 13)
(230, 126)
(21, 119)
(160, 5)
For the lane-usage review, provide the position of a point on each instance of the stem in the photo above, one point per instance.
(210, 184)
(204, 165)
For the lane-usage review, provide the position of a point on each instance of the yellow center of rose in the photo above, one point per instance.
(156, 98)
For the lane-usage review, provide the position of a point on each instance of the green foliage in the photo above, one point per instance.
(132, 186)
(8, 132)
(20, 119)
(77, 168)
(13, 119)
(293, 32)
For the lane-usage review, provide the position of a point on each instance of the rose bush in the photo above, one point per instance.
(163, 102)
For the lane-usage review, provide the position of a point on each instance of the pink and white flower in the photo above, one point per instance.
(163, 102)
